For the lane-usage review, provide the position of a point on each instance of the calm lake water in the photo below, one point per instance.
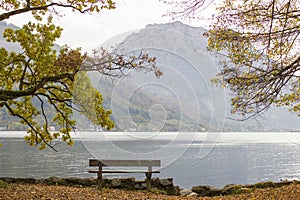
(190, 158)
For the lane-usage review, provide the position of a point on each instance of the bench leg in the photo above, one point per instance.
(99, 177)
(148, 180)
(99, 174)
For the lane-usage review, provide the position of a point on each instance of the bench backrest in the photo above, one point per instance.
(125, 163)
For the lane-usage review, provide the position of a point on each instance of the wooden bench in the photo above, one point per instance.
(125, 163)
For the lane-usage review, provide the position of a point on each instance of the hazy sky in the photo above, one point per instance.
(89, 31)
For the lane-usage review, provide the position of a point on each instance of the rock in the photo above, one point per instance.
(53, 180)
(166, 182)
(128, 183)
(140, 185)
(264, 184)
(89, 182)
(175, 191)
(283, 183)
(72, 181)
(215, 191)
(171, 190)
(116, 183)
(8, 180)
(232, 189)
(21, 180)
(193, 194)
(105, 182)
(185, 192)
(28, 180)
(165, 185)
(155, 183)
(201, 190)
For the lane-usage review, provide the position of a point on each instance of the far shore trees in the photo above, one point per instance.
(40, 78)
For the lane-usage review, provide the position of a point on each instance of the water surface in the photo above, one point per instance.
(190, 158)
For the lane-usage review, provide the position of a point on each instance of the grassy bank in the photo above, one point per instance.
(52, 192)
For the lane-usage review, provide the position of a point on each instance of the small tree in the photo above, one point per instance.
(40, 78)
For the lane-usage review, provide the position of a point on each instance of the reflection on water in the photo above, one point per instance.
(232, 158)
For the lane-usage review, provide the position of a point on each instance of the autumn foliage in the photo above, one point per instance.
(43, 86)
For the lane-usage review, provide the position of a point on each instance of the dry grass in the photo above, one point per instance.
(30, 191)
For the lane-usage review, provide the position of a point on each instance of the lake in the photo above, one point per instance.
(190, 158)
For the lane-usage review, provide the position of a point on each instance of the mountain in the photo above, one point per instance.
(184, 94)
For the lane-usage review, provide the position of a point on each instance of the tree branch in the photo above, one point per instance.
(13, 94)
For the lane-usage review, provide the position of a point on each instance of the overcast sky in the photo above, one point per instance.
(89, 31)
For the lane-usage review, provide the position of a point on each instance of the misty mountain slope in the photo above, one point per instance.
(188, 69)
(142, 110)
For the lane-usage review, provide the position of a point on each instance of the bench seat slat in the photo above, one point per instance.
(125, 163)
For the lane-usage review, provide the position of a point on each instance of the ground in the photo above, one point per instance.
(46, 192)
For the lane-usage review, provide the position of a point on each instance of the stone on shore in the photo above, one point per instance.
(185, 192)
(203, 190)
(193, 194)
